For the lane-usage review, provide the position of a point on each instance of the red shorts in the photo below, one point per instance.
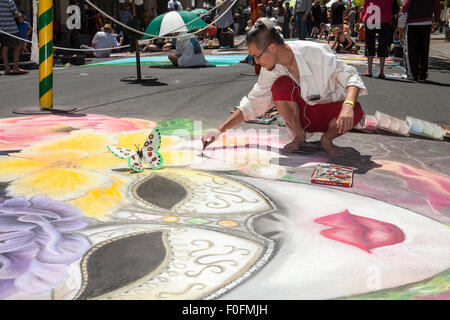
(318, 116)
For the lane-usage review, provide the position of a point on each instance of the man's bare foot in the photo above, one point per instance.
(329, 147)
(293, 145)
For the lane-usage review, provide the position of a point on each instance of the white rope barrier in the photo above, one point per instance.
(62, 48)
(165, 37)
(154, 37)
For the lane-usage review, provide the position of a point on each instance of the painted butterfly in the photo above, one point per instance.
(148, 154)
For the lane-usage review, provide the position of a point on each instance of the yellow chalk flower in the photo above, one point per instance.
(63, 169)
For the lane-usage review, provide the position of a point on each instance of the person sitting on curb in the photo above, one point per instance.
(310, 88)
(104, 39)
(343, 43)
(188, 52)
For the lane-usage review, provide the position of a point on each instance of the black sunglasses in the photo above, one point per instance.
(262, 52)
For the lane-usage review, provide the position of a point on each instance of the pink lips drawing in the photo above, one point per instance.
(361, 232)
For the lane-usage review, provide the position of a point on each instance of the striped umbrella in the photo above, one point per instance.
(174, 21)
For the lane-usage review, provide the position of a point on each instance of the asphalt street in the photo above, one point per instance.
(207, 93)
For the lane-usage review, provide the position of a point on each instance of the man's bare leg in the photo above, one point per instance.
(289, 110)
(327, 140)
(17, 57)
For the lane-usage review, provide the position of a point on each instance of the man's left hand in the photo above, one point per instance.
(345, 119)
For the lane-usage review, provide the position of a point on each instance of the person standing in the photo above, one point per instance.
(287, 19)
(419, 18)
(8, 11)
(174, 5)
(316, 18)
(337, 15)
(280, 14)
(24, 31)
(371, 31)
(352, 20)
(225, 21)
(301, 11)
(269, 10)
(324, 12)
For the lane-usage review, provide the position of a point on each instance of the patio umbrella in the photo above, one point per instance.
(199, 11)
(174, 21)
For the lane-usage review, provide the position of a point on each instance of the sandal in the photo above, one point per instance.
(21, 71)
(367, 75)
(381, 76)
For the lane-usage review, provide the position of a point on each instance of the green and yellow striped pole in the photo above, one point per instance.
(46, 54)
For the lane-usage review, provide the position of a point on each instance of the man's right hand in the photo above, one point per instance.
(210, 136)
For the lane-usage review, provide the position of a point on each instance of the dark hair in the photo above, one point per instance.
(263, 33)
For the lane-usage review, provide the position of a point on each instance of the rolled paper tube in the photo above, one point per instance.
(370, 123)
(382, 120)
(404, 129)
(427, 129)
(415, 125)
(438, 133)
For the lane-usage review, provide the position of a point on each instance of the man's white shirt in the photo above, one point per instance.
(104, 40)
(321, 73)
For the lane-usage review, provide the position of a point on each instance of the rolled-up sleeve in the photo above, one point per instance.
(346, 75)
(259, 100)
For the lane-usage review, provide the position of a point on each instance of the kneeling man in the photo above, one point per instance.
(311, 89)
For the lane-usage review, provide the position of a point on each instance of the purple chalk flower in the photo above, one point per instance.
(36, 243)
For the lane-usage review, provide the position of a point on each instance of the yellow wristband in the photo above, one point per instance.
(350, 102)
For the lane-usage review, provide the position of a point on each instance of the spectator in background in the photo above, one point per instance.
(158, 45)
(337, 15)
(420, 16)
(8, 11)
(323, 31)
(383, 33)
(174, 5)
(316, 11)
(91, 19)
(352, 21)
(287, 19)
(225, 21)
(343, 43)
(104, 39)
(280, 14)
(188, 52)
(324, 12)
(269, 10)
(24, 31)
(301, 11)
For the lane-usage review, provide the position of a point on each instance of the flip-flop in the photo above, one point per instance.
(21, 71)
(367, 75)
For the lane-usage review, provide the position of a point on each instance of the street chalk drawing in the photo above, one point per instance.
(227, 221)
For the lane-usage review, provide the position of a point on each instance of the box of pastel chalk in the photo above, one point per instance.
(333, 175)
